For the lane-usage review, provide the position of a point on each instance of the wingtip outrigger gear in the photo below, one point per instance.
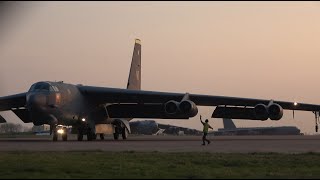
(293, 114)
(294, 106)
(316, 114)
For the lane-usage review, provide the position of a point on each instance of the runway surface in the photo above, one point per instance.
(221, 144)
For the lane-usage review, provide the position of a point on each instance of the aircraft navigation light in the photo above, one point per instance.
(83, 119)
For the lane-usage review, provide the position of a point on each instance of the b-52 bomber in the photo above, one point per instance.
(96, 111)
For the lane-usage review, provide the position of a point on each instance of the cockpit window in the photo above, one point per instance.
(55, 88)
(32, 88)
(42, 86)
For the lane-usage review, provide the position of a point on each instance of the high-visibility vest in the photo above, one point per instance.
(205, 127)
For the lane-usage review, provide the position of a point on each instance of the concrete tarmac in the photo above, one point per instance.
(145, 143)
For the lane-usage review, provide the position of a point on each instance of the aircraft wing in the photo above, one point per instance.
(101, 95)
(12, 101)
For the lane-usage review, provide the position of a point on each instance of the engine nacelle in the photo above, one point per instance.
(171, 107)
(185, 108)
(261, 112)
(275, 111)
(188, 107)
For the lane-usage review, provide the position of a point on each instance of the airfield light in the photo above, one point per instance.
(83, 119)
(295, 103)
(60, 131)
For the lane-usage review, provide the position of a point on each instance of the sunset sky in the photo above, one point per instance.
(268, 50)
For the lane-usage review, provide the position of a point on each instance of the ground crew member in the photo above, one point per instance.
(206, 126)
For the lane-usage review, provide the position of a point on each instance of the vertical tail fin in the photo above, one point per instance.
(228, 124)
(134, 80)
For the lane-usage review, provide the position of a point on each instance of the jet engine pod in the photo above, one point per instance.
(275, 111)
(261, 112)
(188, 107)
(171, 107)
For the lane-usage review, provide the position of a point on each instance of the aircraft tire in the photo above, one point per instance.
(65, 137)
(124, 133)
(80, 136)
(89, 135)
(102, 136)
(115, 136)
(55, 136)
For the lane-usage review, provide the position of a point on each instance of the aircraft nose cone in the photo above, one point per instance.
(37, 101)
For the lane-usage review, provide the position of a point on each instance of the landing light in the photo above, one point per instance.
(83, 119)
(295, 103)
(60, 131)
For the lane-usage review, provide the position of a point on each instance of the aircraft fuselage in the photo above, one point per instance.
(56, 103)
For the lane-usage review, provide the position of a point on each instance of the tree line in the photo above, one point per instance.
(12, 128)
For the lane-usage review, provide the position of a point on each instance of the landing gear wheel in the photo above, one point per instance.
(65, 134)
(80, 135)
(102, 136)
(55, 136)
(90, 135)
(116, 133)
(116, 136)
(65, 137)
(124, 133)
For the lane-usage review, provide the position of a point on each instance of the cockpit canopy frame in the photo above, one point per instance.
(43, 86)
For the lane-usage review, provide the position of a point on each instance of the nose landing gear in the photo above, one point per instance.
(59, 130)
